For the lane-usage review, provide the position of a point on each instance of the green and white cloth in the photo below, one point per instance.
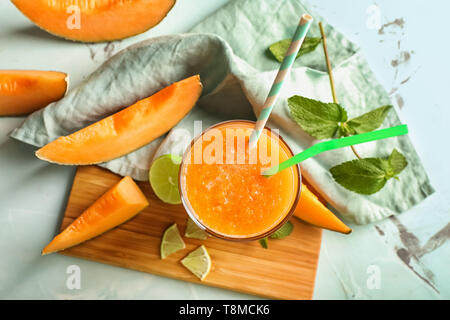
(229, 51)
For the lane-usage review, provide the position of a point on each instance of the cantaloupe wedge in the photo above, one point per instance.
(95, 20)
(25, 91)
(311, 210)
(126, 130)
(119, 204)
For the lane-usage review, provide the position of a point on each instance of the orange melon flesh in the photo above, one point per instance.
(311, 210)
(25, 91)
(119, 204)
(95, 20)
(126, 130)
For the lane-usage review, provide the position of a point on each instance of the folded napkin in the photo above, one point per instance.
(229, 51)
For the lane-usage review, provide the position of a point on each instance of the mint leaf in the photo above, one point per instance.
(368, 121)
(264, 243)
(319, 119)
(365, 176)
(279, 49)
(397, 162)
(309, 45)
(283, 232)
(368, 175)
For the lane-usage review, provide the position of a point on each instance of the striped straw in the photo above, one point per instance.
(285, 68)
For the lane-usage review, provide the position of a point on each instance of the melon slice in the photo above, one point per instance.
(95, 20)
(311, 210)
(25, 91)
(119, 204)
(126, 130)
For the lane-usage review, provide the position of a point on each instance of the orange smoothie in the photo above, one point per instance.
(222, 187)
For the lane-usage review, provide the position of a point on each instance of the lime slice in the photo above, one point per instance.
(171, 241)
(198, 262)
(193, 231)
(163, 176)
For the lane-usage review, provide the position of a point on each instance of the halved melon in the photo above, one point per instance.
(311, 210)
(119, 204)
(25, 91)
(95, 20)
(126, 130)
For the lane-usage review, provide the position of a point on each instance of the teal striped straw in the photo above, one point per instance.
(336, 144)
(285, 68)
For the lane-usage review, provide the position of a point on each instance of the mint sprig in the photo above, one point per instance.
(323, 120)
(279, 49)
(330, 120)
(369, 175)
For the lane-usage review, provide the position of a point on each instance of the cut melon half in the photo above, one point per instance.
(119, 204)
(126, 130)
(25, 91)
(95, 20)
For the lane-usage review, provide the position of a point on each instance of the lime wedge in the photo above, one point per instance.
(193, 231)
(171, 241)
(198, 262)
(163, 176)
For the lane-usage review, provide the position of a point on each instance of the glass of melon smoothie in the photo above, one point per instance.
(222, 188)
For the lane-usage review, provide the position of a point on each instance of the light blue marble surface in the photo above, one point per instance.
(409, 255)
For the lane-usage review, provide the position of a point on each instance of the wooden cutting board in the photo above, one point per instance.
(286, 270)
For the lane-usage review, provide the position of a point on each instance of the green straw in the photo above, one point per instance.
(336, 144)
